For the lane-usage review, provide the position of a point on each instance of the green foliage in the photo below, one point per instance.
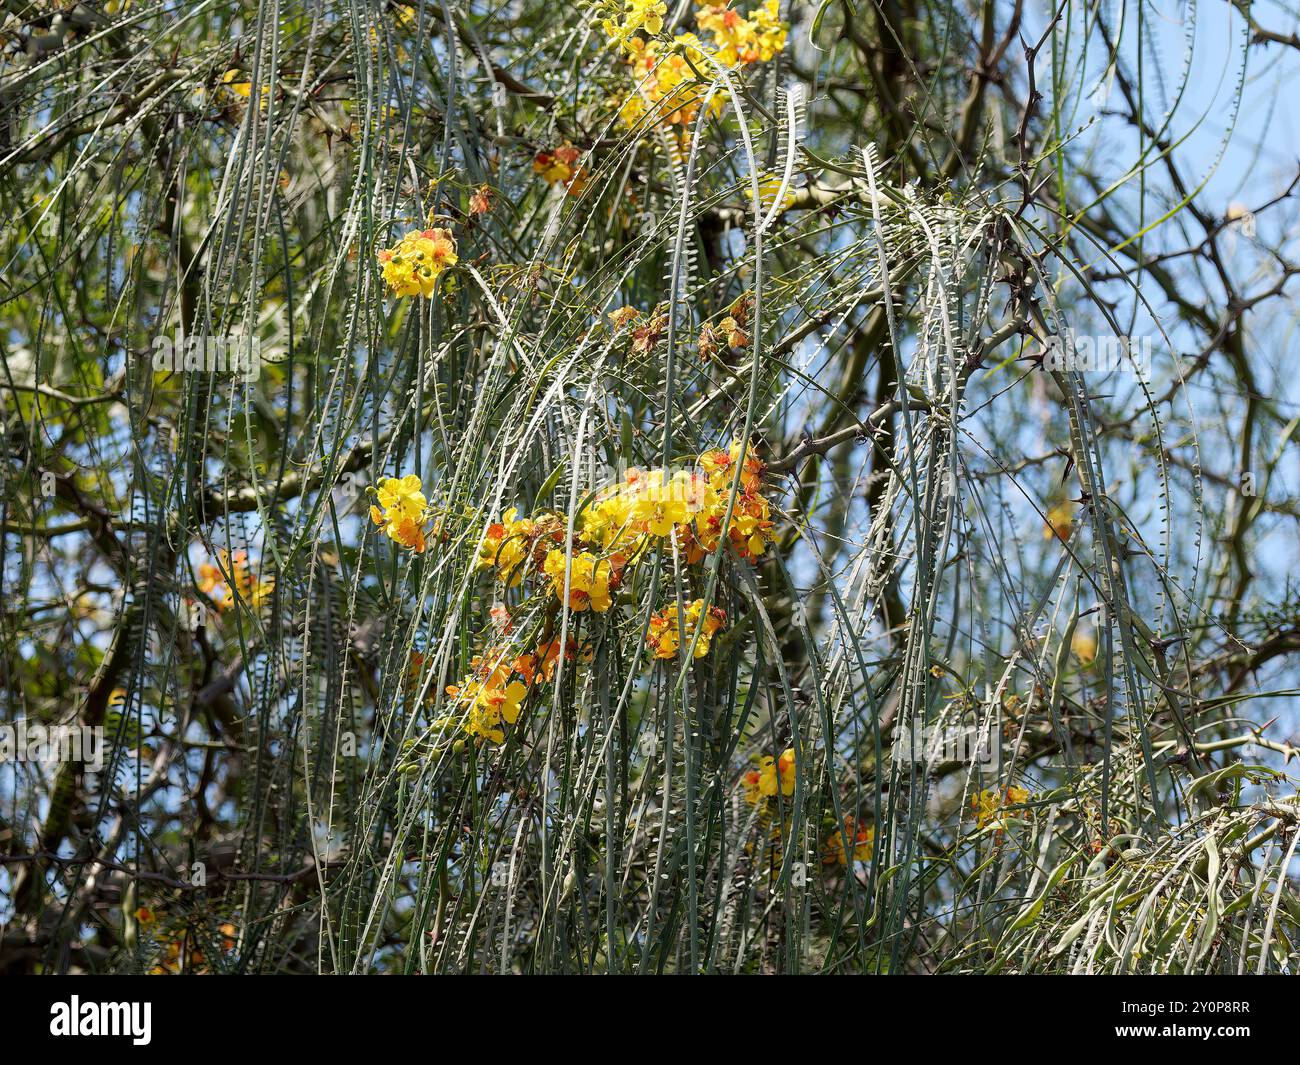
(849, 256)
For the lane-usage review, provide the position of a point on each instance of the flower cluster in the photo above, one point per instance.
(864, 842)
(671, 77)
(560, 166)
(645, 329)
(751, 525)
(666, 627)
(731, 329)
(989, 805)
(637, 15)
(233, 579)
(623, 521)
(740, 40)
(515, 547)
(590, 578)
(689, 506)
(645, 510)
(492, 695)
(666, 80)
(412, 266)
(771, 776)
(402, 511)
(514, 544)
(488, 698)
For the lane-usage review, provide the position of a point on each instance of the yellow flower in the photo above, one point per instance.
(402, 510)
(637, 15)
(489, 704)
(1060, 521)
(645, 505)
(659, 506)
(488, 698)
(662, 638)
(666, 81)
(733, 35)
(559, 166)
(665, 74)
(1084, 645)
(403, 496)
(751, 519)
(777, 774)
(864, 843)
(988, 805)
(508, 547)
(772, 775)
(608, 520)
(738, 39)
(718, 466)
(770, 30)
(590, 578)
(412, 267)
(768, 187)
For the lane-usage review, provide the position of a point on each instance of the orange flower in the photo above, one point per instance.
(864, 843)
(708, 341)
(623, 316)
(751, 519)
(513, 545)
(559, 166)
(736, 337)
(662, 639)
(773, 775)
(501, 618)
(488, 699)
(1060, 521)
(543, 662)
(235, 581)
(646, 336)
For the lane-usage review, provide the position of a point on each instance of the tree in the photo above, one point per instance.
(773, 488)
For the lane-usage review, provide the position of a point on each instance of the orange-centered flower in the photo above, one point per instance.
(412, 267)
(402, 511)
